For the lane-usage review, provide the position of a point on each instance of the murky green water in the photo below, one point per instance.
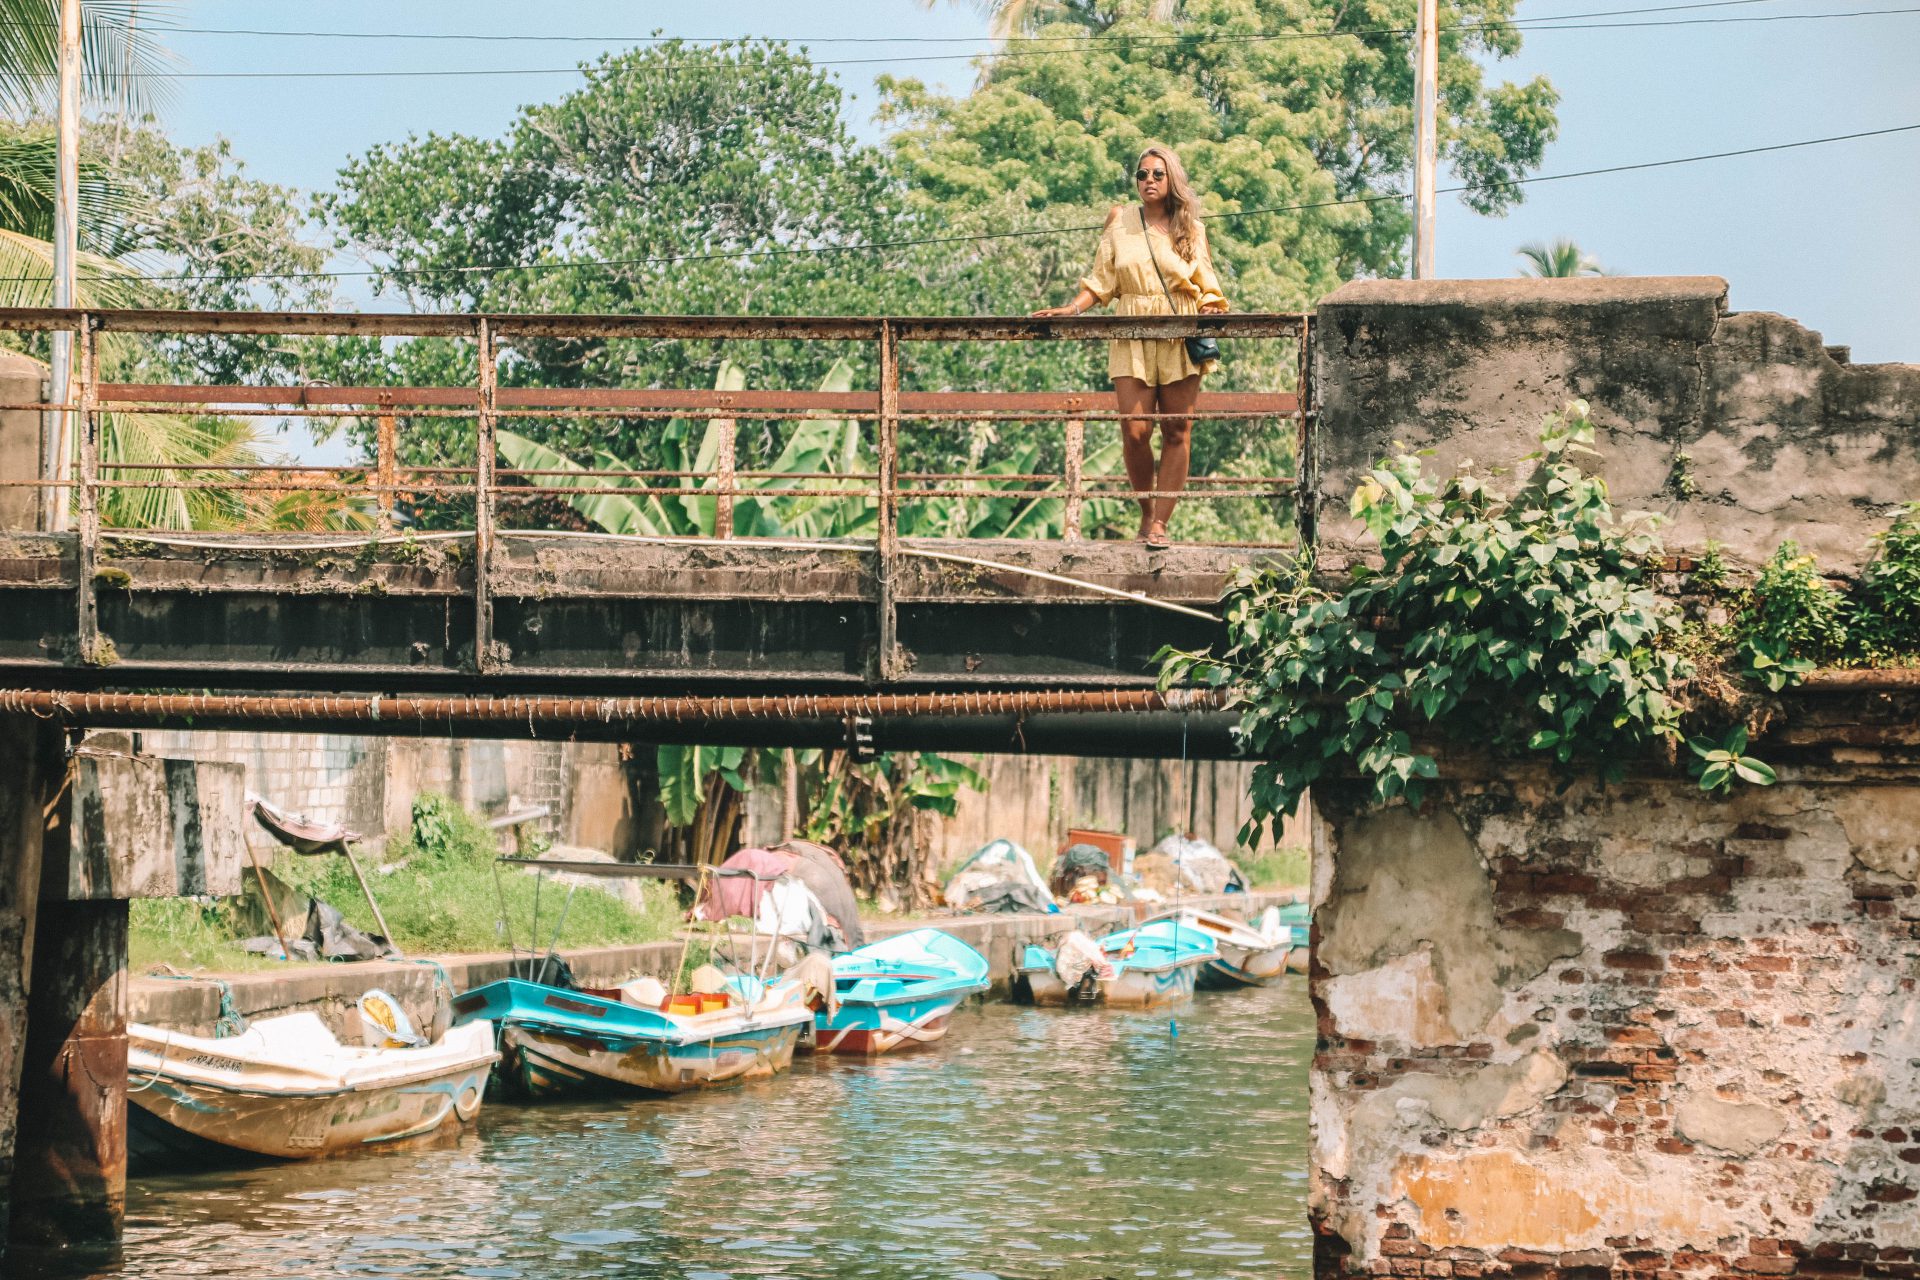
(1031, 1143)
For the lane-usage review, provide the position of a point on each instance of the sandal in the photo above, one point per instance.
(1156, 537)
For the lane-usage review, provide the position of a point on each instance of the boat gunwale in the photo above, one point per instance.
(168, 1068)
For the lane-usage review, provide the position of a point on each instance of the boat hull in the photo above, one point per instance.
(875, 1029)
(1128, 989)
(185, 1118)
(1243, 967)
(545, 1062)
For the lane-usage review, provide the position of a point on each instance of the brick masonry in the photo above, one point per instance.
(1633, 1031)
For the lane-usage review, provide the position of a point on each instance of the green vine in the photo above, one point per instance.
(1523, 624)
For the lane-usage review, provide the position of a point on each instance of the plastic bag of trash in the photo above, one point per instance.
(1197, 866)
(987, 876)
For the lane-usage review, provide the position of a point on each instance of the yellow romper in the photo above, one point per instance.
(1123, 274)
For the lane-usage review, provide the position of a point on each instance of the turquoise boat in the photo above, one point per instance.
(898, 992)
(1145, 968)
(557, 1040)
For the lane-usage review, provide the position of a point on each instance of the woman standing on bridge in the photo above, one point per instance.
(1153, 261)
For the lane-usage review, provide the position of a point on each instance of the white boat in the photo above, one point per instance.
(286, 1087)
(1251, 955)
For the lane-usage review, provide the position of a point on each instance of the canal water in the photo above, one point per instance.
(1030, 1143)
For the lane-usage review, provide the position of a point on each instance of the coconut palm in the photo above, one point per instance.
(122, 65)
(1562, 258)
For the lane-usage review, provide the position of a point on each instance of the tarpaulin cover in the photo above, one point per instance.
(1080, 860)
(1199, 867)
(1008, 897)
(998, 874)
(822, 871)
(739, 884)
(334, 939)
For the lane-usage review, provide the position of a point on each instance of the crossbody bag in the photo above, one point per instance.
(1200, 348)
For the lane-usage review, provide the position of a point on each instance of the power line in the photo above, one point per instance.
(1526, 26)
(874, 246)
(655, 38)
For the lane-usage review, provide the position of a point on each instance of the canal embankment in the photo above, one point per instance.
(193, 1003)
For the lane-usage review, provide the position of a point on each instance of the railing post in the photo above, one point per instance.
(386, 458)
(87, 554)
(1076, 462)
(723, 477)
(1306, 453)
(887, 447)
(485, 444)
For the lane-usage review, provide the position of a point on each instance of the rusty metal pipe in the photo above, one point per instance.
(520, 709)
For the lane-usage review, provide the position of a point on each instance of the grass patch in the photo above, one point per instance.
(1283, 868)
(437, 890)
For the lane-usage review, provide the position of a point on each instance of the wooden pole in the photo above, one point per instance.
(367, 889)
(1426, 103)
(273, 912)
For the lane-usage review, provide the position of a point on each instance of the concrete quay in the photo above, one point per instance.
(192, 1003)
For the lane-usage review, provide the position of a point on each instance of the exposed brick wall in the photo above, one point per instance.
(1622, 1032)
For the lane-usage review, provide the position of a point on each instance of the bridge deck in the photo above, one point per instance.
(583, 612)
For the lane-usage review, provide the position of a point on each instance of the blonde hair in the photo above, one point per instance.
(1183, 204)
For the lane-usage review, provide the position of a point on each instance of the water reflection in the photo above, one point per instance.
(1032, 1143)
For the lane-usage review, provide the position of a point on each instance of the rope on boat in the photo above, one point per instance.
(229, 1021)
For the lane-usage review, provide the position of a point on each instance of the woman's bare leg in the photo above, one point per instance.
(1136, 439)
(1176, 445)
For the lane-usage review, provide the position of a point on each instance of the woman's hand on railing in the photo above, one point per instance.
(1214, 309)
(1048, 313)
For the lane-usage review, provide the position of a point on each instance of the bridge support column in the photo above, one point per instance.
(70, 1166)
(33, 766)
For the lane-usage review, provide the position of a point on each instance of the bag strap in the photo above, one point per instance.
(1147, 231)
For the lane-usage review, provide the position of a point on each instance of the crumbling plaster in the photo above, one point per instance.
(1602, 1021)
(1742, 428)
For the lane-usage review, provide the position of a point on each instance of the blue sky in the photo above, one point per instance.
(1826, 235)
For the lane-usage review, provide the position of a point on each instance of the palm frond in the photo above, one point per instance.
(26, 276)
(123, 63)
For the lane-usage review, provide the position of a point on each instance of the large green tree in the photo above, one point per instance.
(1269, 104)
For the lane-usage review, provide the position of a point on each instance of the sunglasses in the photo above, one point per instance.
(1141, 175)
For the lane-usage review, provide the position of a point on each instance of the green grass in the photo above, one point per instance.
(1275, 868)
(436, 888)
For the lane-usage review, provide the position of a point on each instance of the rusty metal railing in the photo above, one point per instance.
(502, 499)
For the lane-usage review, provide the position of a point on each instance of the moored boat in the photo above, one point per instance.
(557, 1040)
(1251, 955)
(1144, 968)
(897, 992)
(1297, 919)
(286, 1087)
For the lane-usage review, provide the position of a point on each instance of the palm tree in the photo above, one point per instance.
(122, 63)
(1562, 258)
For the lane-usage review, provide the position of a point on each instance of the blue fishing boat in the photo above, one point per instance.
(899, 991)
(1251, 954)
(1144, 968)
(555, 1040)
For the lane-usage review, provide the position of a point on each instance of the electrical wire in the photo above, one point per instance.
(1000, 43)
(876, 245)
(1524, 26)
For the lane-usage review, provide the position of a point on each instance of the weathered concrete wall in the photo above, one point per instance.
(369, 783)
(22, 381)
(148, 827)
(332, 989)
(1035, 800)
(1737, 427)
(1633, 1030)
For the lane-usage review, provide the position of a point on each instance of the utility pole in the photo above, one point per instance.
(56, 462)
(1426, 111)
